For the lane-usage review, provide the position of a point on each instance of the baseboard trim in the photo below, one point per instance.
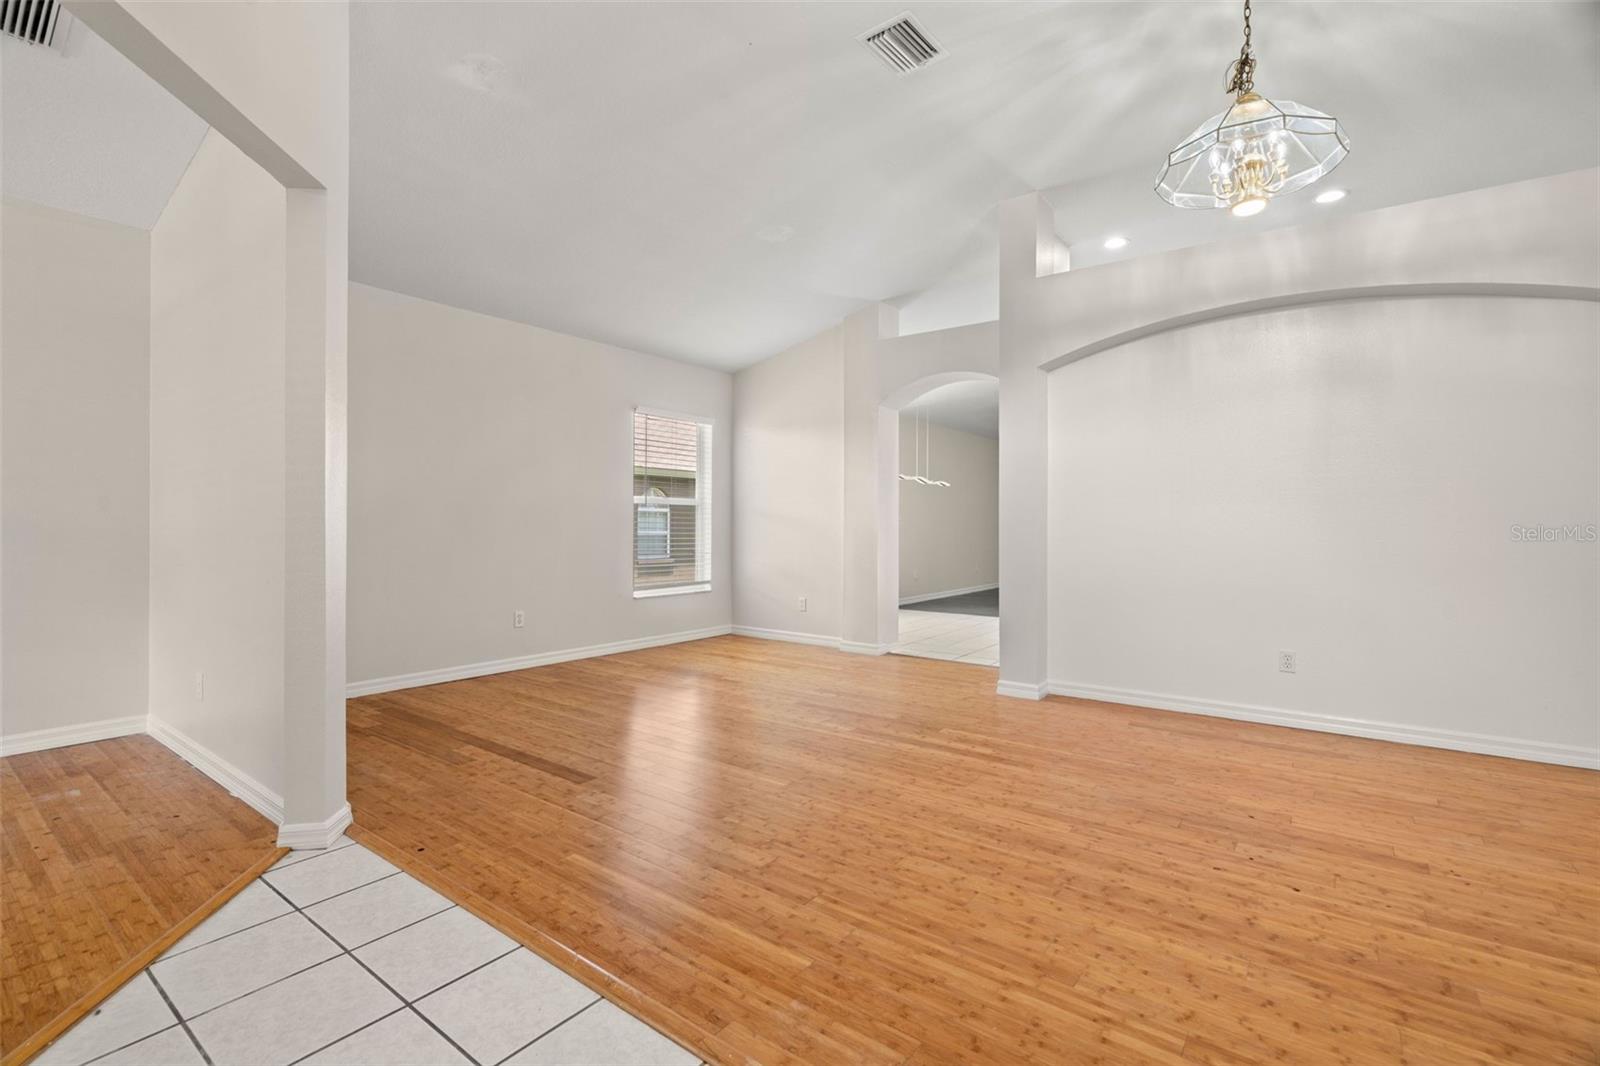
(67, 735)
(1422, 736)
(262, 799)
(525, 662)
(788, 635)
(857, 648)
(318, 835)
(1020, 690)
(924, 597)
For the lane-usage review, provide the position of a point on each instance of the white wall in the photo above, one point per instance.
(788, 496)
(1340, 481)
(490, 466)
(949, 537)
(75, 482)
(217, 489)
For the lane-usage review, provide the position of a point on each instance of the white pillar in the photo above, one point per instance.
(1028, 249)
(315, 811)
(862, 622)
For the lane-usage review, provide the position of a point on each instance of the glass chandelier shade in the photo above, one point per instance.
(1256, 149)
(1252, 151)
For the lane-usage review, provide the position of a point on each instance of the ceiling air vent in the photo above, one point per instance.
(34, 21)
(903, 44)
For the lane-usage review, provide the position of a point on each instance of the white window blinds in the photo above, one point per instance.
(671, 504)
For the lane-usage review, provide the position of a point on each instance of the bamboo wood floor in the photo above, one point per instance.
(108, 852)
(780, 853)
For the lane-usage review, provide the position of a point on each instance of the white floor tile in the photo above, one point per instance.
(372, 910)
(498, 1009)
(421, 957)
(171, 1047)
(603, 1034)
(328, 874)
(310, 853)
(401, 1039)
(293, 1018)
(214, 973)
(256, 904)
(130, 1013)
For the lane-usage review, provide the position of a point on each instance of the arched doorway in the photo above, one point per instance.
(939, 520)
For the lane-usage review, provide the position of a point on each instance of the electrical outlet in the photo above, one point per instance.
(518, 618)
(802, 604)
(199, 685)
(1286, 662)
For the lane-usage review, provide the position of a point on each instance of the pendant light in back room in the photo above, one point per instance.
(1253, 151)
(921, 455)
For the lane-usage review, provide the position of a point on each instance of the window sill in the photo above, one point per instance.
(676, 590)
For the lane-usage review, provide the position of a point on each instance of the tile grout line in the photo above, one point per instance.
(553, 1028)
(382, 1017)
(129, 1044)
(195, 1040)
(408, 1004)
(275, 917)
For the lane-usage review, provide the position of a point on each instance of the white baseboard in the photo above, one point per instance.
(302, 835)
(1020, 690)
(857, 648)
(524, 662)
(924, 597)
(63, 736)
(1424, 736)
(266, 802)
(788, 635)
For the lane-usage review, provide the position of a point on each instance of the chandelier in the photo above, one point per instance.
(1255, 150)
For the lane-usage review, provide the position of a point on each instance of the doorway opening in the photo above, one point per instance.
(949, 524)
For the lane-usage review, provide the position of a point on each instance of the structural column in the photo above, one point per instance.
(1029, 249)
(866, 624)
(315, 810)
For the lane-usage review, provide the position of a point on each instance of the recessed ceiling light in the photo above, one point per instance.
(1113, 243)
(1331, 196)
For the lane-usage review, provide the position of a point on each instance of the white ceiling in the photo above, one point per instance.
(86, 131)
(716, 181)
(970, 406)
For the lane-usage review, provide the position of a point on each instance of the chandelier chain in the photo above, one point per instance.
(1241, 72)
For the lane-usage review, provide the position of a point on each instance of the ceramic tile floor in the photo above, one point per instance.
(339, 957)
(966, 638)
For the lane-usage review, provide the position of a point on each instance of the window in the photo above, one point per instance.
(671, 504)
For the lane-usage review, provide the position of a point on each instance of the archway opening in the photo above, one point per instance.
(943, 518)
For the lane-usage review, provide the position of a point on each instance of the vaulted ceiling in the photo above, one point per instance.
(716, 181)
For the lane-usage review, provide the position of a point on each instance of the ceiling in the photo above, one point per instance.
(715, 182)
(86, 131)
(970, 406)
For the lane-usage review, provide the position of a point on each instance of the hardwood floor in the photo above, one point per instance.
(111, 851)
(785, 854)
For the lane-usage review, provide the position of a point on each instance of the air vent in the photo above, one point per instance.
(903, 44)
(34, 21)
